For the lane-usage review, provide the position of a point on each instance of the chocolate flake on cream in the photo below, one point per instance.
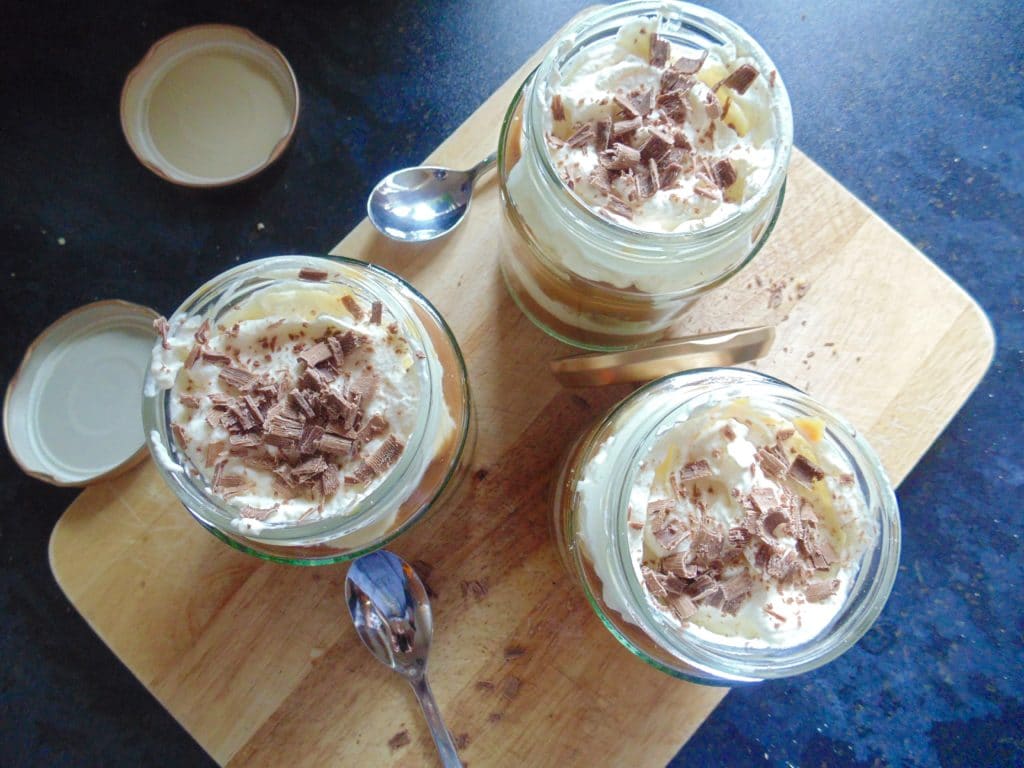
(314, 275)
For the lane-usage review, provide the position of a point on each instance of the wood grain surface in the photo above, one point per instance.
(259, 661)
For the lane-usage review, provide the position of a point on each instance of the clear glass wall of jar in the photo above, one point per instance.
(592, 537)
(584, 278)
(434, 456)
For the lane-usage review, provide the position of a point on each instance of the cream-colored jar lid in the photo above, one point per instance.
(210, 105)
(73, 411)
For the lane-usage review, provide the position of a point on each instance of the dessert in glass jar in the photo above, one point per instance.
(728, 528)
(307, 410)
(642, 164)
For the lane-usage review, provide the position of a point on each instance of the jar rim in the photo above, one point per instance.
(211, 510)
(730, 664)
(696, 19)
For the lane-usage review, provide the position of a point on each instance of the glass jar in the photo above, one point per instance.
(597, 283)
(591, 534)
(434, 455)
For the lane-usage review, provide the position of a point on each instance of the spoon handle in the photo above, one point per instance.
(484, 165)
(442, 738)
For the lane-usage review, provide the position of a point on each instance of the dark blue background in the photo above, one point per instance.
(916, 107)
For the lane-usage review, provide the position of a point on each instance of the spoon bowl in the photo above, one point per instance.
(423, 203)
(391, 613)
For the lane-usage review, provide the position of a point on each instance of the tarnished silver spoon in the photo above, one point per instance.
(418, 204)
(391, 612)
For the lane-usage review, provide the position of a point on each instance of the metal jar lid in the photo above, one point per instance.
(73, 411)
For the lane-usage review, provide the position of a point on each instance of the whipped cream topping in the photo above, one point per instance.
(702, 122)
(327, 398)
(744, 528)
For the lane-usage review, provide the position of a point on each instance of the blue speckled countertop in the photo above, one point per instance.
(916, 107)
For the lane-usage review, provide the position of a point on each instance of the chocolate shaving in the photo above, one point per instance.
(315, 275)
(163, 328)
(202, 334)
(712, 105)
(673, 105)
(602, 133)
(601, 179)
(193, 355)
(660, 51)
(695, 470)
(179, 434)
(239, 443)
(654, 585)
(804, 471)
(618, 207)
(216, 358)
(354, 307)
(190, 401)
(302, 401)
(690, 66)
(330, 481)
(652, 169)
(739, 79)
(376, 312)
(623, 128)
(643, 100)
(316, 354)
(773, 520)
(280, 430)
(771, 462)
(236, 377)
(309, 443)
(656, 146)
(817, 591)
(557, 108)
(255, 513)
(668, 175)
(683, 606)
(620, 157)
(764, 499)
(333, 444)
(673, 79)
(626, 106)
(583, 136)
(724, 173)
(386, 455)
(671, 534)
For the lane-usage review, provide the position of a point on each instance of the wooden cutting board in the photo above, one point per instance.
(258, 662)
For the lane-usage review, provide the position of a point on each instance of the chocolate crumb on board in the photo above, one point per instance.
(399, 740)
(314, 275)
(462, 741)
(494, 717)
(514, 652)
(475, 588)
(484, 685)
(510, 688)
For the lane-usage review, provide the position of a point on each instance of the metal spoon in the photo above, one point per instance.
(390, 609)
(417, 204)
